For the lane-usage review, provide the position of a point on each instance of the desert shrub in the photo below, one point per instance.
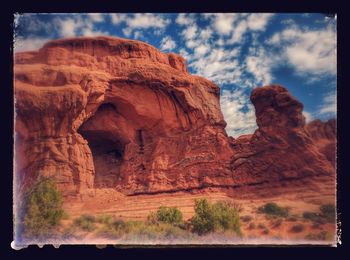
(142, 230)
(225, 217)
(237, 206)
(297, 228)
(273, 209)
(43, 208)
(261, 226)
(203, 220)
(266, 231)
(310, 215)
(246, 218)
(328, 212)
(113, 227)
(104, 219)
(121, 225)
(219, 216)
(323, 235)
(85, 222)
(170, 215)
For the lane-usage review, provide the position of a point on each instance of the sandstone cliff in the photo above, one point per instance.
(324, 136)
(109, 112)
(280, 149)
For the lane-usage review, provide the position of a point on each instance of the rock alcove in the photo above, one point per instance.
(107, 144)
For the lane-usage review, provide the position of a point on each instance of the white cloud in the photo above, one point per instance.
(217, 64)
(190, 32)
(308, 116)
(127, 31)
(185, 54)
(33, 24)
(79, 25)
(138, 34)
(238, 112)
(238, 32)
(90, 32)
(118, 18)
(69, 27)
(308, 51)
(223, 23)
(249, 23)
(259, 64)
(184, 19)
(220, 42)
(29, 44)
(140, 21)
(206, 34)
(258, 22)
(329, 106)
(201, 50)
(147, 21)
(167, 43)
(96, 17)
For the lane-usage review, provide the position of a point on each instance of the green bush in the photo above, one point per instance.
(226, 217)
(328, 212)
(203, 220)
(85, 222)
(310, 215)
(219, 216)
(104, 219)
(274, 210)
(43, 208)
(138, 229)
(170, 215)
(297, 228)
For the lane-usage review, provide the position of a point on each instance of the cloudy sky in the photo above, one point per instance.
(238, 51)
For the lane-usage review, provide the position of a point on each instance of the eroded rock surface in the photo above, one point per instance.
(280, 149)
(107, 112)
(324, 137)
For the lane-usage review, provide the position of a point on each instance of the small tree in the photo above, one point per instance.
(203, 220)
(43, 208)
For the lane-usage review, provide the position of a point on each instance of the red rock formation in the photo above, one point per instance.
(280, 149)
(324, 136)
(109, 112)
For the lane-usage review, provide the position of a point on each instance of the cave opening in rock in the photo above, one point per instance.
(106, 145)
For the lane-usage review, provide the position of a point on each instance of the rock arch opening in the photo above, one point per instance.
(107, 145)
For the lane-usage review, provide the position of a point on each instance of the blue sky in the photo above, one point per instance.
(237, 51)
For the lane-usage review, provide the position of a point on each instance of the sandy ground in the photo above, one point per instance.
(259, 229)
